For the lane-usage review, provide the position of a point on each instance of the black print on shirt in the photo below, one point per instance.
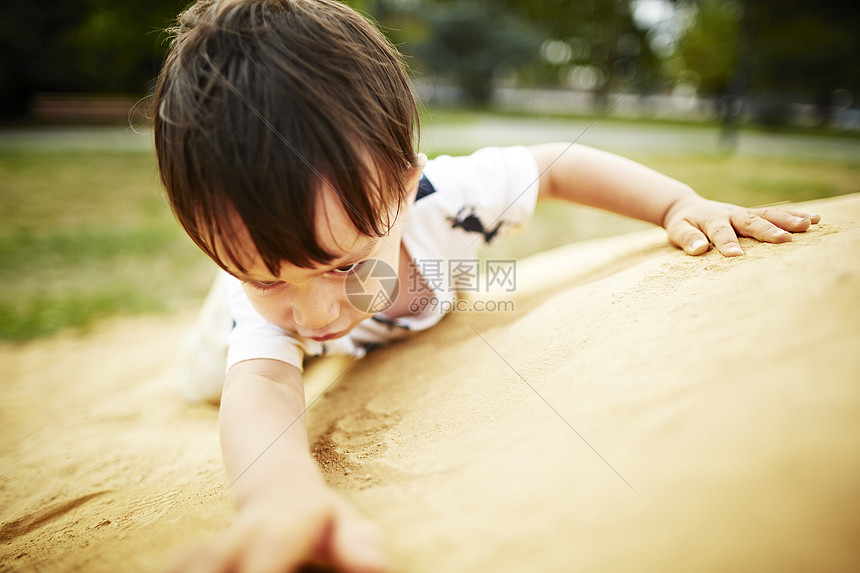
(467, 220)
(391, 324)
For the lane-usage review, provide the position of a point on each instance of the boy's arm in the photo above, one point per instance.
(263, 433)
(286, 515)
(591, 177)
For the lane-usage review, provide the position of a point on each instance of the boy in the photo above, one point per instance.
(285, 139)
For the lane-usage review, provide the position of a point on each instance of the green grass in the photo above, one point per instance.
(465, 116)
(85, 236)
(754, 181)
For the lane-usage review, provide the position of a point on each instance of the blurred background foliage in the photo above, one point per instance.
(83, 46)
(771, 54)
(85, 232)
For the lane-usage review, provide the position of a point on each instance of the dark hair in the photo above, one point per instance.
(258, 101)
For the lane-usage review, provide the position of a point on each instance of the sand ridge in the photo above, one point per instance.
(641, 410)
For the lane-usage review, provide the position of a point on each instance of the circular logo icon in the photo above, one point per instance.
(373, 287)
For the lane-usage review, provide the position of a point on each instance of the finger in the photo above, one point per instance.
(788, 220)
(813, 218)
(684, 235)
(357, 544)
(723, 236)
(281, 550)
(208, 558)
(749, 224)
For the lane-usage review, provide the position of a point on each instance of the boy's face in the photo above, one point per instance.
(313, 302)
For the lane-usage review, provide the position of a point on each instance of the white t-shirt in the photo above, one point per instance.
(462, 202)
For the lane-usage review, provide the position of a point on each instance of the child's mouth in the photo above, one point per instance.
(327, 336)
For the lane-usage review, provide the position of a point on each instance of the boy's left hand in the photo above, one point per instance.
(694, 222)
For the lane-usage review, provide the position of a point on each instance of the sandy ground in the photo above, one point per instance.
(640, 411)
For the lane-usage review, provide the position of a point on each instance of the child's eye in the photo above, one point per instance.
(346, 269)
(263, 287)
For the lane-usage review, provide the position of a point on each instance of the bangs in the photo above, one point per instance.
(287, 230)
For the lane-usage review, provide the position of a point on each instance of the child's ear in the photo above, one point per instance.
(413, 175)
(417, 168)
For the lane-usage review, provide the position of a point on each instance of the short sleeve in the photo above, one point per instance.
(461, 204)
(255, 337)
(465, 202)
(492, 192)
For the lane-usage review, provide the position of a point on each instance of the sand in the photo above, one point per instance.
(641, 410)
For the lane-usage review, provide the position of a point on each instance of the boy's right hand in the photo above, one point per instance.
(276, 536)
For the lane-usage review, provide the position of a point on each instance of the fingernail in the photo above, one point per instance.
(697, 245)
(734, 250)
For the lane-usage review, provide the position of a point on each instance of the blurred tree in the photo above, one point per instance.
(714, 55)
(781, 50)
(806, 49)
(710, 47)
(601, 34)
(33, 43)
(124, 39)
(468, 41)
(81, 46)
(586, 44)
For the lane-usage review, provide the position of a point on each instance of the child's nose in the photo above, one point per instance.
(315, 311)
